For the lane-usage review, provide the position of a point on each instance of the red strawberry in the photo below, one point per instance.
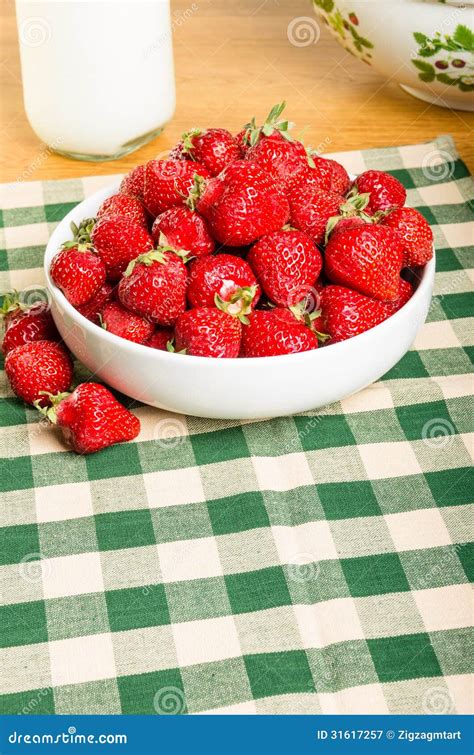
(183, 228)
(93, 309)
(119, 321)
(385, 190)
(415, 234)
(160, 339)
(37, 367)
(78, 271)
(311, 209)
(243, 140)
(118, 241)
(168, 183)
(346, 313)
(405, 292)
(243, 203)
(274, 332)
(287, 263)
(251, 134)
(344, 224)
(126, 206)
(133, 183)
(23, 325)
(318, 175)
(340, 180)
(225, 279)
(154, 286)
(208, 332)
(279, 157)
(91, 418)
(368, 259)
(215, 148)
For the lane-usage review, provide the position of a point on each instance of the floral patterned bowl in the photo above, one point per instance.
(427, 46)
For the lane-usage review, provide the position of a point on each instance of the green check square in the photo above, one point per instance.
(374, 575)
(19, 543)
(227, 444)
(257, 590)
(465, 553)
(433, 567)
(458, 305)
(12, 412)
(330, 431)
(124, 529)
(453, 648)
(451, 487)
(326, 582)
(345, 500)
(16, 474)
(32, 702)
(279, 673)
(157, 692)
(290, 509)
(409, 366)
(407, 656)
(341, 665)
(68, 537)
(237, 513)
(447, 261)
(181, 522)
(197, 599)
(76, 616)
(56, 212)
(114, 461)
(89, 698)
(136, 607)
(420, 420)
(23, 624)
(216, 684)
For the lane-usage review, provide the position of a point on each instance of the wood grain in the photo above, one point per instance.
(234, 60)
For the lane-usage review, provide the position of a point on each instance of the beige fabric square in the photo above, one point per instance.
(413, 530)
(326, 623)
(60, 502)
(82, 659)
(355, 701)
(72, 575)
(173, 487)
(395, 459)
(206, 640)
(444, 608)
(282, 472)
(189, 559)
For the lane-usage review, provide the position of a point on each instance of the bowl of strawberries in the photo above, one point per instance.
(244, 276)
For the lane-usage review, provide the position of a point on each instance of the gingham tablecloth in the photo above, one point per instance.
(310, 564)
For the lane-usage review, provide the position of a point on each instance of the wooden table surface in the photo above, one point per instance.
(234, 60)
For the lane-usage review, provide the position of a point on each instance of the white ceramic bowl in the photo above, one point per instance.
(233, 388)
(424, 45)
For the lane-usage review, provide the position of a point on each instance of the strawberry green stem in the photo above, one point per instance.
(50, 412)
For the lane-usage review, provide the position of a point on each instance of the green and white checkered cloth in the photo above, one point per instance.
(317, 563)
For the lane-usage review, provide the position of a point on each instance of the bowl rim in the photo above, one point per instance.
(223, 362)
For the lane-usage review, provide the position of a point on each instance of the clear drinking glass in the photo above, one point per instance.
(98, 75)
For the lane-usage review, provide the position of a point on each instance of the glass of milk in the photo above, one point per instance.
(98, 76)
